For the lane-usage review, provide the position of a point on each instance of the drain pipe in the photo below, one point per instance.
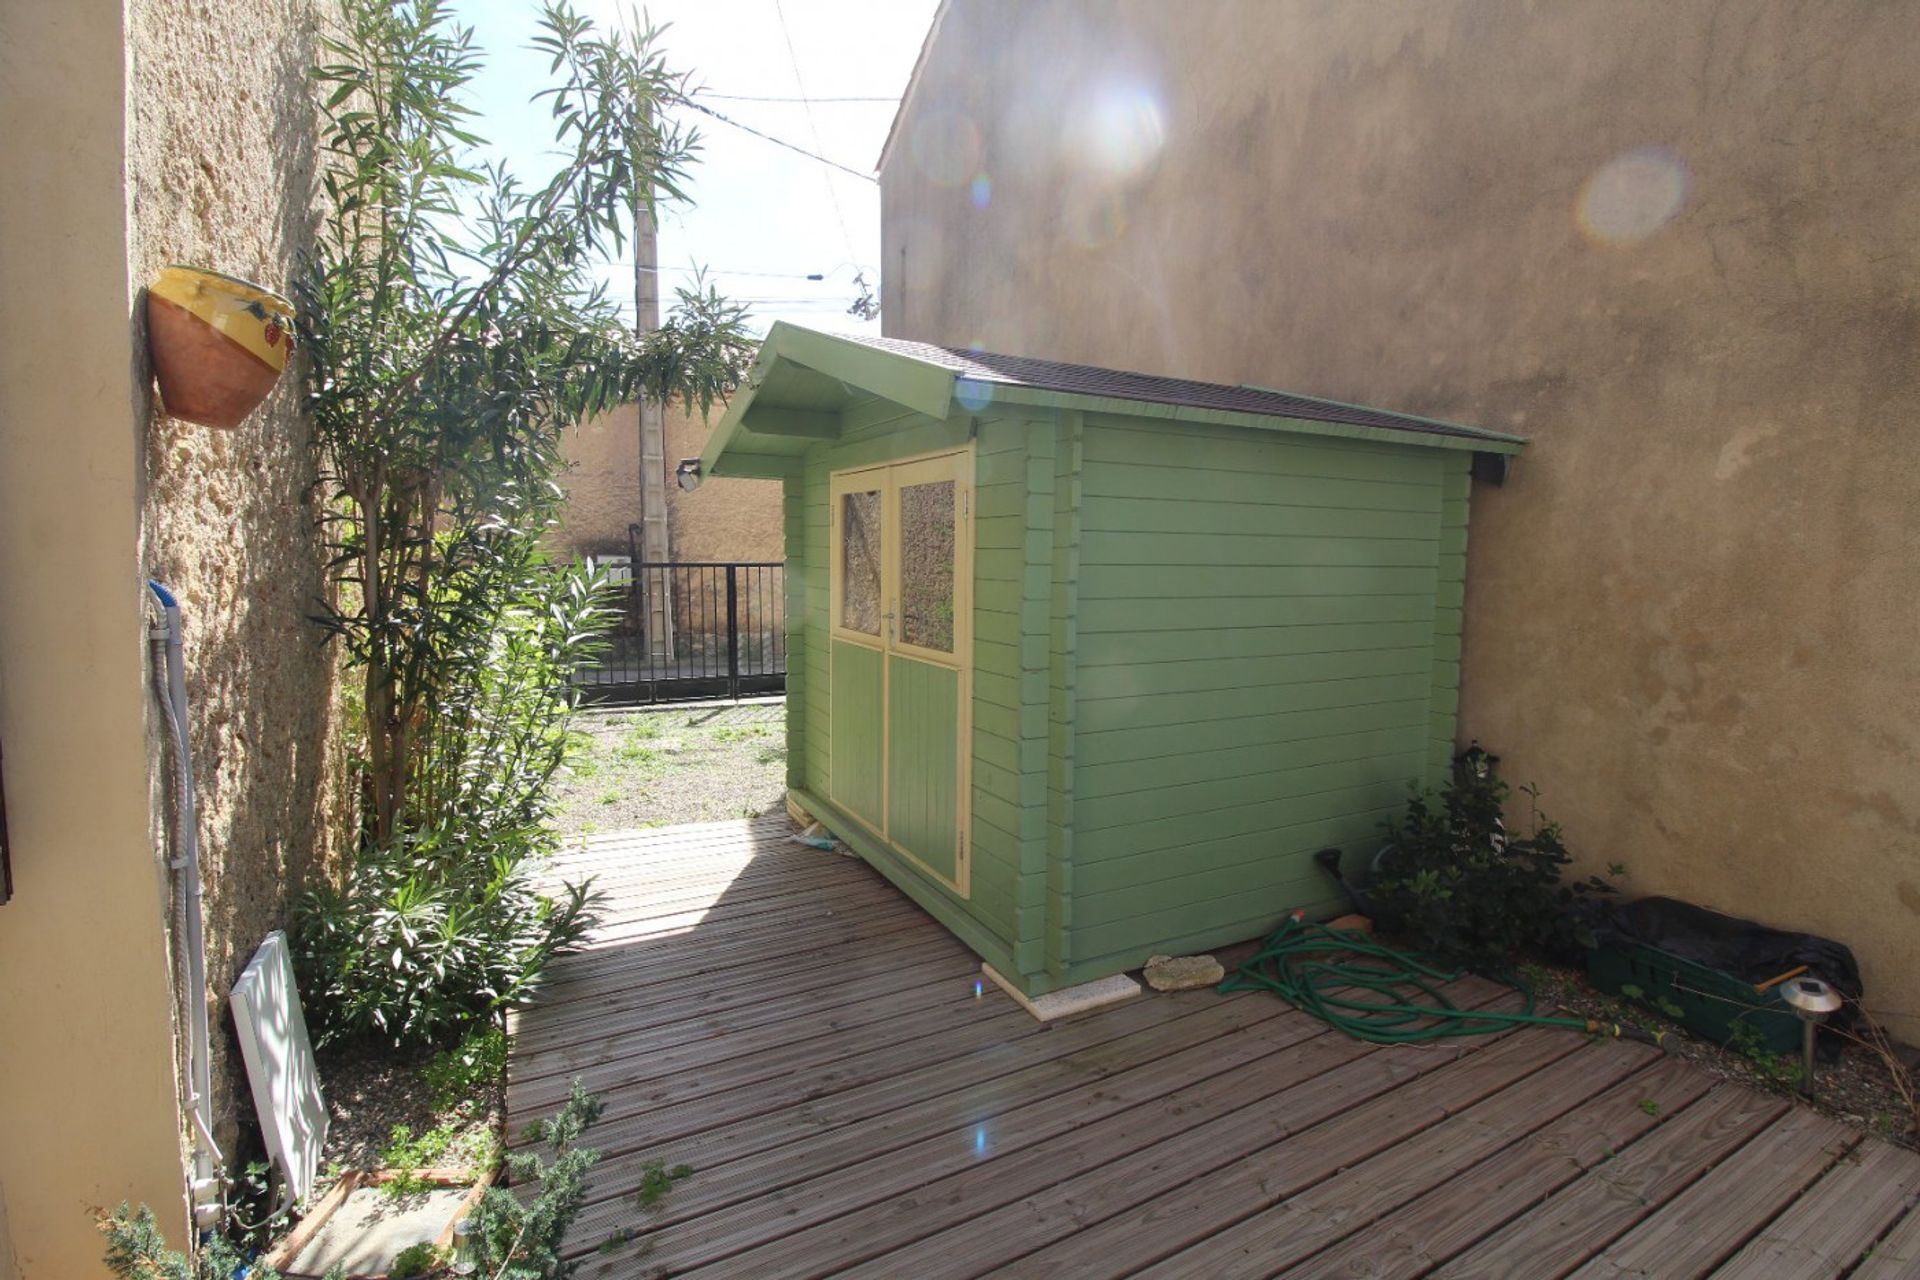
(170, 682)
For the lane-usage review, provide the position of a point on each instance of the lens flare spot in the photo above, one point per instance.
(979, 988)
(946, 148)
(976, 346)
(973, 394)
(1119, 131)
(1632, 196)
(981, 191)
(980, 1141)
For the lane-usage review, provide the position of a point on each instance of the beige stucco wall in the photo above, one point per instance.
(602, 481)
(158, 132)
(1692, 610)
(722, 520)
(88, 1114)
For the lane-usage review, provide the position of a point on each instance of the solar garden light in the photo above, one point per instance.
(1812, 1001)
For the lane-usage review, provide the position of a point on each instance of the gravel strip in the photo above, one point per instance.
(633, 767)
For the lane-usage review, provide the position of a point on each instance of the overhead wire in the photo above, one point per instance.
(756, 97)
(778, 142)
(813, 127)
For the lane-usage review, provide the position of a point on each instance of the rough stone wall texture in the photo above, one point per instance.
(1673, 243)
(721, 520)
(221, 152)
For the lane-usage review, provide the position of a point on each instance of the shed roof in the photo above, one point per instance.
(803, 379)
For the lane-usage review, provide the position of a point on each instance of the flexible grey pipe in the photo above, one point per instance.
(170, 682)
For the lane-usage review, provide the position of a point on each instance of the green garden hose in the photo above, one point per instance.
(1373, 992)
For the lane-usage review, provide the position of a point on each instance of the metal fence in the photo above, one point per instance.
(709, 629)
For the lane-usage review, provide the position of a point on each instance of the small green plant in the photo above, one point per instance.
(610, 796)
(409, 1158)
(1454, 877)
(136, 1250)
(458, 1076)
(415, 1260)
(656, 1180)
(619, 1238)
(521, 1240)
(1781, 1070)
(1651, 1106)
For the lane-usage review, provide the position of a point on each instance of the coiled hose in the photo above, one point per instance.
(1375, 993)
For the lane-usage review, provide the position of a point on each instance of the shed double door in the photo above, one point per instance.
(901, 601)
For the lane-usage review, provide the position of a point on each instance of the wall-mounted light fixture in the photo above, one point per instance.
(687, 474)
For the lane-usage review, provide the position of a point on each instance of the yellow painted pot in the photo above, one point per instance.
(218, 344)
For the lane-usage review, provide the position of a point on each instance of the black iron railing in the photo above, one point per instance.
(710, 629)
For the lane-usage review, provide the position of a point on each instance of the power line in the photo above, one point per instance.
(757, 97)
(778, 142)
(864, 306)
(793, 57)
(726, 271)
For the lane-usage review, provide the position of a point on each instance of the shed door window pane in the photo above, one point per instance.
(860, 561)
(926, 565)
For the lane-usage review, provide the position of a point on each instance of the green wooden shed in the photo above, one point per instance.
(1089, 663)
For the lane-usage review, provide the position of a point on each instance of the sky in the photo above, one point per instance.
(759, 217)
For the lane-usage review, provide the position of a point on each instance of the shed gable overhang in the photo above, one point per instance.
(804, 382)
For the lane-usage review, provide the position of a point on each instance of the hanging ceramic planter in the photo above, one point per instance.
(218, 344)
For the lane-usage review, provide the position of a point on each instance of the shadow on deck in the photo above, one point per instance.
(853, 1104)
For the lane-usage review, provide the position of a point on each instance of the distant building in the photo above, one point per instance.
(729, 520)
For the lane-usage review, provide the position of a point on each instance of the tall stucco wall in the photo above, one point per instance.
(1673, 243)
(722, 520)
(88, 1110)
(222, 137)
(602, 481)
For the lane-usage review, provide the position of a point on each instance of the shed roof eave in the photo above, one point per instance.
(1473, 439)
(728, 428)
(911, 383)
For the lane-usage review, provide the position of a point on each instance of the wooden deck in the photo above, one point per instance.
(854, 1104)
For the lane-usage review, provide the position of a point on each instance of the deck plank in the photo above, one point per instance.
(1452, 1218)
(824, 1135)
(1896, 1255)
(1832, 1225)
(1603, 1204)
(1294, 1229)
(1703, 1225)
(814, 1045)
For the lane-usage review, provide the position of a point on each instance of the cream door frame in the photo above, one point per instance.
(958, 465)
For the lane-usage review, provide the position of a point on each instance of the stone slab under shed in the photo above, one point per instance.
(1074, 999)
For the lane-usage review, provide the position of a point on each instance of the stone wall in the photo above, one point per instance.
(1672, 243)
(220, 174)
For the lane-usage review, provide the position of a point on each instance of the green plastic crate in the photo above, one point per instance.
(1711, 1003)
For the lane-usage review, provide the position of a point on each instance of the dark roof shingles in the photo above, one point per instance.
(1091, 380)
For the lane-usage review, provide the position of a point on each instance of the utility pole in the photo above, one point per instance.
(655, 547)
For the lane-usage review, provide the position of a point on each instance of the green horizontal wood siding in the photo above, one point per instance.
(1260, 645)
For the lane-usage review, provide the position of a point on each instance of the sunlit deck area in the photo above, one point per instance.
(852, 1103)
